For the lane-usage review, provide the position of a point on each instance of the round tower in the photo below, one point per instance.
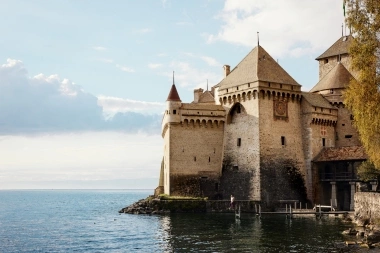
(173, 105)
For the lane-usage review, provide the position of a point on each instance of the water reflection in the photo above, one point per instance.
(223, 233)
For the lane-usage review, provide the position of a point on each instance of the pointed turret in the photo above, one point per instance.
(173, 94)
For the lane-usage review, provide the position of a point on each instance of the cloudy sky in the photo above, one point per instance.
(83, 83)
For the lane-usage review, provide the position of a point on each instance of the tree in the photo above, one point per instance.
(363, 95)
(368, 172)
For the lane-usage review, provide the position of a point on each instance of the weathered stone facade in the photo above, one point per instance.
(258, 136)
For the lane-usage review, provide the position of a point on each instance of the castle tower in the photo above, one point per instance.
(263, 136)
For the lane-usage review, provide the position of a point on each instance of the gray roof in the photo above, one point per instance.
(317, 100)
(258, 65)
(338, 48)
(206, 97)
(337, 78)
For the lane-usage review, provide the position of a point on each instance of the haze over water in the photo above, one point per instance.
(88, 221)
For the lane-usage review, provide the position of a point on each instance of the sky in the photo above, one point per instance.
(83, 84)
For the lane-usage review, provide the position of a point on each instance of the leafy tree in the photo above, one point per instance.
(368, 172)
(362, 96)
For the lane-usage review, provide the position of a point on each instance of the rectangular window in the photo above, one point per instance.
(239, 142)
(283, 140)
(323, 142)
(174, 111)
(195, 158)
(323, 130)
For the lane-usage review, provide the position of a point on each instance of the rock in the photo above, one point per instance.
(350, 243)
(350, 231)
(373, 237)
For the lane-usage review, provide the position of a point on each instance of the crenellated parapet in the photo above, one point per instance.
(190, 122)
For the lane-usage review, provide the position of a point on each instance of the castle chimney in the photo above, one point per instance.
(197, 93)
(226, 70)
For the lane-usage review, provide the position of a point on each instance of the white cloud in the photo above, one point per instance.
(113, 105)
(48, 103)
(125, 68)
(106, 60)
(188, 76)
(144, 30)
(289, 27)
(154, 65)
(91, 156)
(211, 61)
(98, 48)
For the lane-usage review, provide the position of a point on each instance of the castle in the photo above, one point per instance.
(256, 135)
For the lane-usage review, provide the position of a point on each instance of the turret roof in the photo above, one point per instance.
(337, 78)
(258, 65)
(173, 94)
(338, 48)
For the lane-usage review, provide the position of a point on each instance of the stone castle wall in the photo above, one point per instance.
(281, 166)
(367, 206)
(241, 151)
(347, 135)
(195, 158)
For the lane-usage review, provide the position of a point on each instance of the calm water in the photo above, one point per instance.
(88, 221)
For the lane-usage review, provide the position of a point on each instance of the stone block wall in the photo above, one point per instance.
(367, 206)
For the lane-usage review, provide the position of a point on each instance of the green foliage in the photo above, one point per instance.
(362, 96)
(368, 172)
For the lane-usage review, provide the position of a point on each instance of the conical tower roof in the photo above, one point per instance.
(173, 94)
(337, 78)
(258, 65)
(340, 47)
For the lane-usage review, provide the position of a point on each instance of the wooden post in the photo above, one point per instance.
(290, 215)
(295, 205)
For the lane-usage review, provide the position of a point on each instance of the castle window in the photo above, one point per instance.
(323, 130)
(235, 168)
(323, 142)
(249, 85)
(214, 150)
(268, 84)
(280, 86)
(292, 87)
(195, 158)
(227, 90)
(174, 111)
(238, 142)
(283, 140)
(326, 61)
(348, 136)
(331, 91)
(343, 124)
(315, 108)
(237, 88)
(209, 159)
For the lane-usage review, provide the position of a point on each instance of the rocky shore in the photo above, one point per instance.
(364, 235)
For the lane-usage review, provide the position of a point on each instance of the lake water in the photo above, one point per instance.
(88, 221)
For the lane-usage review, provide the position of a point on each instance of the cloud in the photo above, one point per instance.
(125, 68)
(144, 31)
(186, 75)
(113, 105)
(98, 48)
(48, 103)
(296, 37)
(154, 65)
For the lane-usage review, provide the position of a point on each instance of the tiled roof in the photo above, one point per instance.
(317, 100)
(258, 65)
(341, 154)
(338, 48)
(173, 94)
(337, 78)
(206, 97)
